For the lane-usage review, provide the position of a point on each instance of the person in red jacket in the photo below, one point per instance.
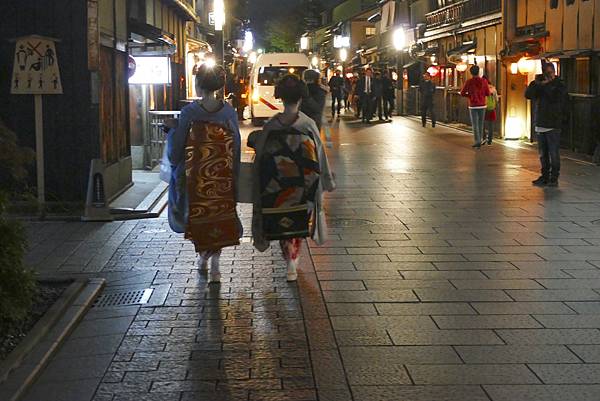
(476, 89)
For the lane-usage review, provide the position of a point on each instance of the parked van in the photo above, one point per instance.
(265, 73)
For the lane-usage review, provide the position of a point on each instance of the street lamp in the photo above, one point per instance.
(343, 54)
(399, 38)
(248, 41)
(219, 10)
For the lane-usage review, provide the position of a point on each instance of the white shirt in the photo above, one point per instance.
(367, 84)
(541, 130)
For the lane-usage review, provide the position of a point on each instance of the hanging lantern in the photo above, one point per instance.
(514, 68)
(462, 67)
(525, 65)
(433, 70)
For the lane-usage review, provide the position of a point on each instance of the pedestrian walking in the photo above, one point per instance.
(336, 87)
(389, 95)
(378, 95)
(347, 92)
(203, 148)
(477, 91)
(490, 112)
(550, 96)
(356, 94)
(427, 93)
(291, 171)
(365, 92)
(313, 103)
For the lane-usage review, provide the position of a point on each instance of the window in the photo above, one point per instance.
(553, 3)
(582, 75)
(370, 31)
(270, 75)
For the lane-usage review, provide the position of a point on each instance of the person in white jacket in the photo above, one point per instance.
(291, 90)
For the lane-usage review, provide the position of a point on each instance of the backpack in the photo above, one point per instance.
(289, 178)
(212, 221)
(490, 103)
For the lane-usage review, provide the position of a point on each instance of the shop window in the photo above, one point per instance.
(582, 75)
(370, 31)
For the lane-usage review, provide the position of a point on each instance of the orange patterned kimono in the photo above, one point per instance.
(209, 168)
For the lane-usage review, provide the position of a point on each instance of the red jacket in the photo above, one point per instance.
(476, 89)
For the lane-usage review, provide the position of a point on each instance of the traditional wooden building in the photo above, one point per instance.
(91, 119)
(455, 35)
(566, 33)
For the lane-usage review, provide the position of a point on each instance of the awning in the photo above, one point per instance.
(524, 45)
(462, 49)
(150, 39)
(575, 53)
(374, 18)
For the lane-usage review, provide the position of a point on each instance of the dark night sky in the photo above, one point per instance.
(260, 11)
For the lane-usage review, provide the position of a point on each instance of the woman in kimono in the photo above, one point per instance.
(291, 90)
(204, 152)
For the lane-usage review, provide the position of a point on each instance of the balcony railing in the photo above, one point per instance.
(462, 11)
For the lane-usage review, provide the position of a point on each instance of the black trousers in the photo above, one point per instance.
(388, 106)
(549, 150)
(367, 103)
(336, 97)
(428, 106)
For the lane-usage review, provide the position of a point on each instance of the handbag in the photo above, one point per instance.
(490, 103)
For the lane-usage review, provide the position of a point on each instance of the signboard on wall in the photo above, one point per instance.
(151, 71)
(35, 68)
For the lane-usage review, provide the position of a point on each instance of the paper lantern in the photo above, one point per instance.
(433, 70)
(514, 68)
(461, 67)
(526, 65)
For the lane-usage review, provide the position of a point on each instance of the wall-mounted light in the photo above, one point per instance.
(514, 68)
(433, 70)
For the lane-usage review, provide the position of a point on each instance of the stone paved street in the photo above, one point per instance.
(447, 277)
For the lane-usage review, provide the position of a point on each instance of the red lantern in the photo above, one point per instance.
(433, 70)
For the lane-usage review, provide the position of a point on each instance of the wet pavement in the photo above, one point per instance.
(447, 277)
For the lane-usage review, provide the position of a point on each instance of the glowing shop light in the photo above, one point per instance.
(219, 12)
(343, 54)
(513, 128)
(252, 58)
(514, 68)
(304, 43)
(248, 41)
(433, 70)
(462, 67)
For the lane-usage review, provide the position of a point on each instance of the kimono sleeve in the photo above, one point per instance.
(327, 179)
(178, 138)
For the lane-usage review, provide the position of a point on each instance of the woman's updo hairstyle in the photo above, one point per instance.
(290, 88)
(210, 78)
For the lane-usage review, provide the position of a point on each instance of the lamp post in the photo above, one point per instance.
(399, 39)
(219, 13)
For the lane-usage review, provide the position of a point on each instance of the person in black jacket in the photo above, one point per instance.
(549, 94)
(388, 95)
(426, 92)
(313, 104)
(336, 87)
(365, 90)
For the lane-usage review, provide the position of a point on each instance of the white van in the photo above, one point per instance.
(266, 71)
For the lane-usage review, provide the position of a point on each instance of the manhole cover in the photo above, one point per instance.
(155, 231)
(137, 297)
(348, 222)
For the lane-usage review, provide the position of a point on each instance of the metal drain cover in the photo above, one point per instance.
(348, 222)
(137, 297)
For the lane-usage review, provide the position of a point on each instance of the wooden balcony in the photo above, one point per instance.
(461, 11)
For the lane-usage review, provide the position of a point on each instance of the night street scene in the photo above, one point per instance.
(299, 200)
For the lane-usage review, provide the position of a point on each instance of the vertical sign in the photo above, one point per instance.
(35, 72)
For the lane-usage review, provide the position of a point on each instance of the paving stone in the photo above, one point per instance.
(443, 337)
(406, 284)
(567, 373)
(418, 393)
(363, 337)
(436, 295)
(443, 275)
(554, 295)
(516, 354)
(382, 322)
(356, 356)
(354, 309)
(523, 308)
(486, 322)
(62, 391)
(585, 308)
(370, 296)
(543, 392)
(550, 336)
(449, 308)
(569, 321)
(495, 284)
(342, 285)
(471, 374)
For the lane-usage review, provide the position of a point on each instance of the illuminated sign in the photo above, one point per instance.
(151, 70)
(341, 41)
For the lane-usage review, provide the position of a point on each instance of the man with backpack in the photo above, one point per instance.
(549, 94)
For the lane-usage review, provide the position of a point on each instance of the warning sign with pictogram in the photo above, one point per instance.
(35, 70)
